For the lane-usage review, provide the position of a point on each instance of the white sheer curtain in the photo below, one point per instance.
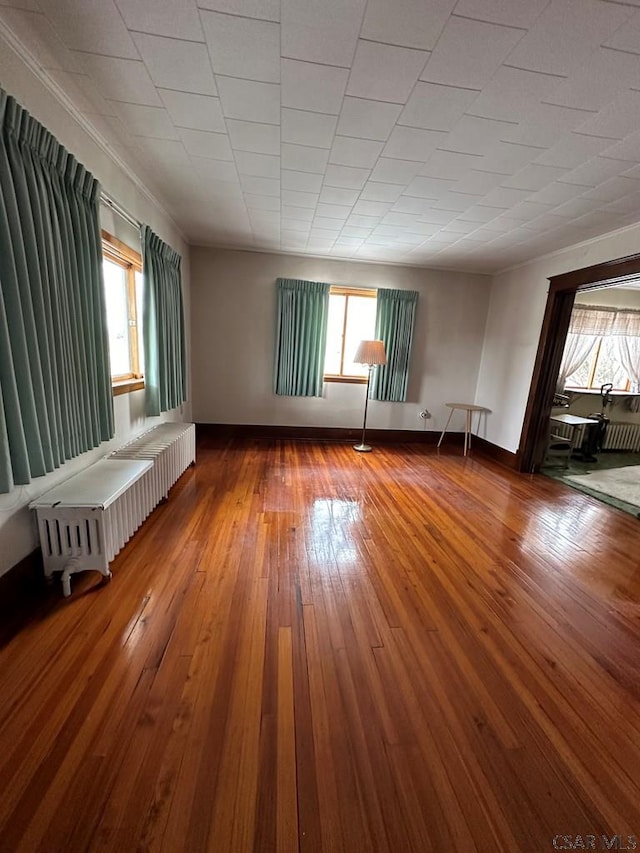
(577, 349)
(627, 340)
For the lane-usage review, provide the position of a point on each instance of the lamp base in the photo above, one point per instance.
(363, 448)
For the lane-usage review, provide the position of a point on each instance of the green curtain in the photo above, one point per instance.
(301, 337)
(55, 384)
(165, 363)
(395, 317)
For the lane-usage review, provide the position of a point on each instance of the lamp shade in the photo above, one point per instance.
(370, 352)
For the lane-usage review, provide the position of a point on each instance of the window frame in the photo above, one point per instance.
(130, 261)
(593, 367)
(343, 290)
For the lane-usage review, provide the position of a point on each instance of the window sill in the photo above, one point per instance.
(353, 380)
(126, 386)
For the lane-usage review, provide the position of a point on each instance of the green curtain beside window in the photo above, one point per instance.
(395, 318)
(55, 384)
(165, 370)
(301, 337)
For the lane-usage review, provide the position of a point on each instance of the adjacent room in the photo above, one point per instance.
(319, 425)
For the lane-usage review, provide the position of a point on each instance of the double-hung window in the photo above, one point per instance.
(122, 268)
(352, 318)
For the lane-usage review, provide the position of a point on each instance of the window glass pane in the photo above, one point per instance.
(361, 323)
(115, 286)
(334, 333)
(608, 368)
(139, 290)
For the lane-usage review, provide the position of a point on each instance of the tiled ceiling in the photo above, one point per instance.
(473, 134)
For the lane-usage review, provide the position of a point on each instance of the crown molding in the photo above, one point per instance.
(25, 55)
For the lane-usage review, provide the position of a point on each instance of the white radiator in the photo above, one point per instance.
(619, 436)
(87, 520)
(171, 446)
(622, 437)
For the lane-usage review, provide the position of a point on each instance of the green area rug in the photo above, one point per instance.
(622, 484)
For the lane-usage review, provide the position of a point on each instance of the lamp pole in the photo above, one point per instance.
(362, 447)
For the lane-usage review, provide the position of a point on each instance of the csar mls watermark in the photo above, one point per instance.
(595, 842)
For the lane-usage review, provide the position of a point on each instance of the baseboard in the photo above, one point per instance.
(497, 454)
(306, 433)
(22, 589)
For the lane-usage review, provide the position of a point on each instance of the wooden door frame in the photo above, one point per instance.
(555, 325)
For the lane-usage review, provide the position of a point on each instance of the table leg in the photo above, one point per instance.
(446, 426)
(467, 432)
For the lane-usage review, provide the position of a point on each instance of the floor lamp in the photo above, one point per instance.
(372, 354)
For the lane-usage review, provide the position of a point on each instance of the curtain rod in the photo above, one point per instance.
(119, 210)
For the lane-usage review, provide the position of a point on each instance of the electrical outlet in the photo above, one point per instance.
(425, 414)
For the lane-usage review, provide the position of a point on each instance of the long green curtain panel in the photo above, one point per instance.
(301, 337)
(55, 385)
(395, 318)
(165, 371)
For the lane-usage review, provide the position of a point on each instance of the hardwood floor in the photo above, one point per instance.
(313, 649)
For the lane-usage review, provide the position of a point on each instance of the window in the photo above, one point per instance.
(352, 318)
(602, 366)
(122, 268)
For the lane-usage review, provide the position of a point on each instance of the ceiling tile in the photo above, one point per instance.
(617, 119)
(535, 177)
(262, 202)
(595, 171)
(374, 191)
(265, 10)
(347, 151)
(546, 125)
(346, 176)
(382, 72)
(411, 143)
(627, 149)
(436, 107)
(28, 5)
(78, 88)
(299, 199)
(201, 143)
(428, 187)
(250, 101)
(575, 149)
(260, 186)
(259, 165)
(410, 23)
(178, 19)
(302, 158)
(367, 119)
(121, 79)
(305, 182)
(372, 208)
(335, 211)
(177, 64)
(478, 181)
(505, 197)
(147, 121)
(328, 223)
(512, 93)
(198, 112)
(556, 193)
(306, 128)
(228, 36)
(215, 170)
(251, 136)
(93, 26)
(317, 88)
(511, 13)
(324, 32)
(611, 190)
(450, 164)
(469, 53)
(626, 37)
(603, 77)
(35, 32)
(508, 157)
(305, 214)
(566, 33)
(388, 171)
(473, 135)
(338, 195)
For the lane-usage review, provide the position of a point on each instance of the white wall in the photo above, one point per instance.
(233, 324)
(514, 323)
(18, 536)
